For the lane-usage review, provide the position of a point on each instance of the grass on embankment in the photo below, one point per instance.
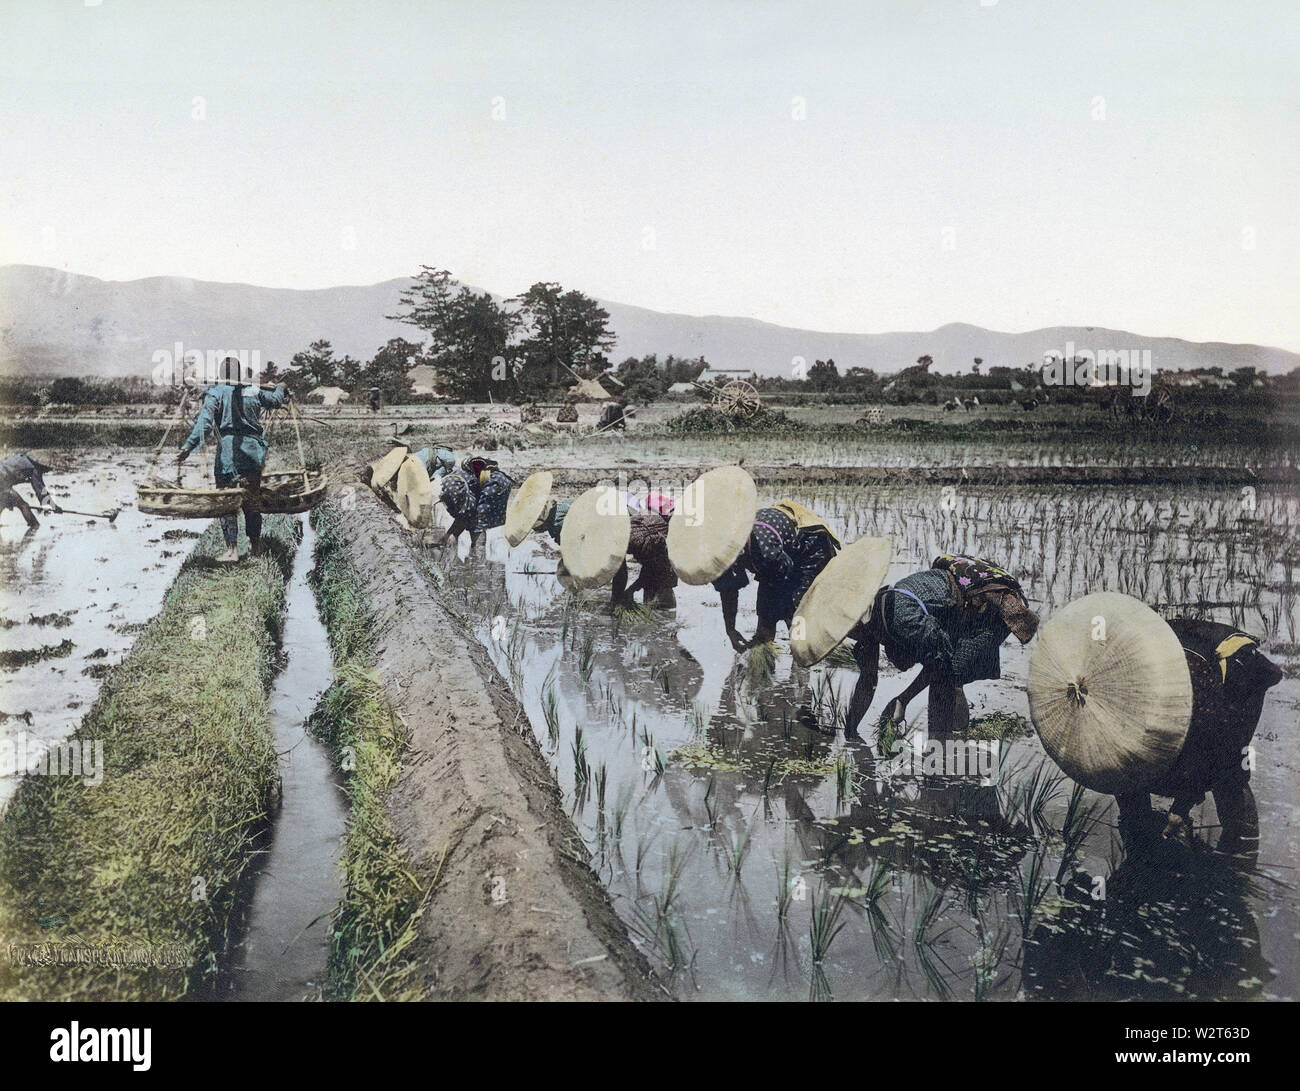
(378, 916)
(153, 856)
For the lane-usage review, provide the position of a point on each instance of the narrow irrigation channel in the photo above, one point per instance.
(285, 946)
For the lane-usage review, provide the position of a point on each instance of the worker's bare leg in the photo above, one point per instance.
(25, 511)
(230, 532)
(1238, 816)
(949, 710)
(867, 654)
(618, 595)
(663, 599)
(253, 526)
(896, 710)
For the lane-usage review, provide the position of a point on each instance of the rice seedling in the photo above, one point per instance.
(819, 988)
(843, 778)
(602, 777)
(551, 709)
(699, 717)
(1030, 889)
(785, 880)
(824, 923)
(985, 963)
(923, 943)
(618, 815)
(586, 655)
(1078, 824)
(760, 664)
(841, 658)
(738, 846)
(581, 768)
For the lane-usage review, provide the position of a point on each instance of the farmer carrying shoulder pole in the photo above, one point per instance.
(950, 618)
(233, 411)
(18, 469)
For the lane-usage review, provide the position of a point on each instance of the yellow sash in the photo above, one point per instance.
(806, 520)
(1230, 647)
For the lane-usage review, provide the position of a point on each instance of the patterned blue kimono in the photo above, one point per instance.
(784, 559)
(481, 505)
(234, 413)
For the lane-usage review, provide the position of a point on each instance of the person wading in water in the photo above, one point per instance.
(20, 469)
(951, 618)
(234, 412)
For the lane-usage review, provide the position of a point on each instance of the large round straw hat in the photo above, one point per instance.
(593, 540)
(840, 597)
(1110, 693)
(711, 524)
(383, 470)
(526, 504)
(415, 493)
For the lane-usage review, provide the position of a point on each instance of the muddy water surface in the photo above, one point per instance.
(87, 582)
(734, 839)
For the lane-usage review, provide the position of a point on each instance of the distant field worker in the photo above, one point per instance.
(21, 469)
(612, 416)
(951, 618)
(476, 494)
(786, 550)
(233, 411)
(648, 546)
(1230, 677)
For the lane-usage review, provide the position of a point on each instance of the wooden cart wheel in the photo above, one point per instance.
(739, 399)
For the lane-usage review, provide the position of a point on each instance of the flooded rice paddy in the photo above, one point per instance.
(73, 595)
(752, 856)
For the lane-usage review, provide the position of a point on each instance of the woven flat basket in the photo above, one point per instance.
(177, 503)
(284, 493)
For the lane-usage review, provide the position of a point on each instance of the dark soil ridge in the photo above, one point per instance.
(474, 784)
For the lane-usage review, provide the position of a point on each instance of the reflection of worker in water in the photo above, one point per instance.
(786, 550)
(648, 546)
(22, 469)
(234, 412)
(1170, 923)
(475, 494)
(951, 618)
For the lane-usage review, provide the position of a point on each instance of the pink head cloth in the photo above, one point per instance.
(657, 502)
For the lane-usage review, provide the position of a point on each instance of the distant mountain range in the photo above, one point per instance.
(58, 323)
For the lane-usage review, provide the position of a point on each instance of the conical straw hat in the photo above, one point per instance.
(526, 504)
(593, 540)
(711, 524)
(840, 597)
(1110, 692)
(415, 493)
(383, 470)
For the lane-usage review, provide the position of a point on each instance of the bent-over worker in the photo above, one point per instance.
(786, 550)
(21, 469)
(951, 618)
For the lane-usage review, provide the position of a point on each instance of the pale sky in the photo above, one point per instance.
(854, 166)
